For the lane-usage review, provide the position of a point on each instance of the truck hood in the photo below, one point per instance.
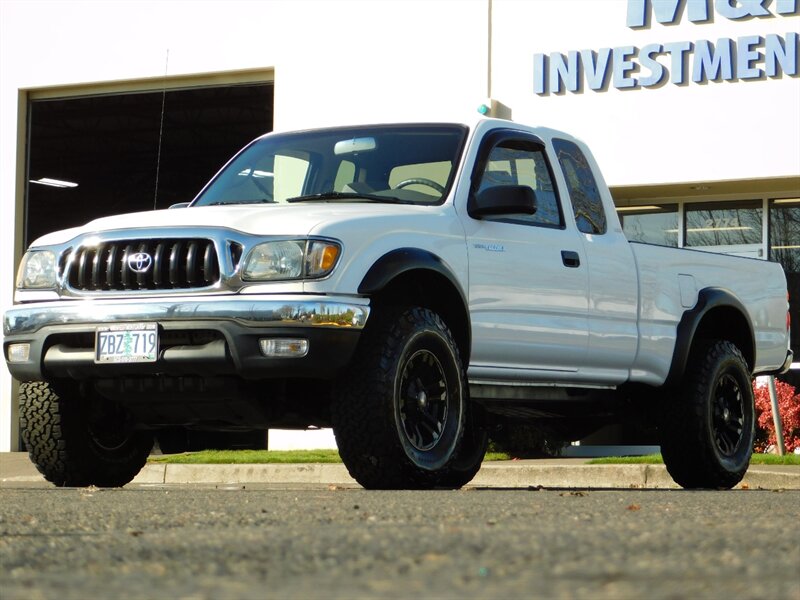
(299, 219)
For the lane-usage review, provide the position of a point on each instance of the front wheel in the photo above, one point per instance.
(708, 430)
(399, 412)
(471, 453)
(77, 441)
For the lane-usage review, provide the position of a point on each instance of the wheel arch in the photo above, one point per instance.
(418, 277)
(718, 314)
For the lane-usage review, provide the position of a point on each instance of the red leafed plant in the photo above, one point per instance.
(789, 408)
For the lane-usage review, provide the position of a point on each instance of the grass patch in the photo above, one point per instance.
(245, 457)
(490, 456)
(655, 459)
(240, 457)
(774, 459)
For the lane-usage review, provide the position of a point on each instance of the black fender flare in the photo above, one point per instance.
(403, 260)
(708, 299)
(400, 261)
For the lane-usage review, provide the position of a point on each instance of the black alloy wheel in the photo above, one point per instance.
(708, 426)
(400, 411)
(423, 400)
(728, 415)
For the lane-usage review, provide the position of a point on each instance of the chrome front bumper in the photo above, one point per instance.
(256, 311)
(61, 336)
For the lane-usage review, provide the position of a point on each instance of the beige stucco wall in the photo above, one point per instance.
(338, 62)
(334, 62)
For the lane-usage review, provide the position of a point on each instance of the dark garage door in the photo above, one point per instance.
(115, 146)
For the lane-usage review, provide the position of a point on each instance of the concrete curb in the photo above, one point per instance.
(615, 476)
(559, 473)
(320, 473)
(494, 475)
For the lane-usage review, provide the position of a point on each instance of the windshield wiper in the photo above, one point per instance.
(347, 196)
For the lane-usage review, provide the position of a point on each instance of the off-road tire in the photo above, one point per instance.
(389, 390)
(69, 449)
(708, 430)
(471, 453)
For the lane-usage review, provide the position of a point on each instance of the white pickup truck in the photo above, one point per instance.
(410, 285)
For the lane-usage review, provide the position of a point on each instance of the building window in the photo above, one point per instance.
(651, 224)
(784, 233)
(730, 227)
(784, 247)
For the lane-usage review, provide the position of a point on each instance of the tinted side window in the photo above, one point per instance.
(583, 191)
(521, 163)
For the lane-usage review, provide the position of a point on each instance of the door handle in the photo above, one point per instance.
(570, 259)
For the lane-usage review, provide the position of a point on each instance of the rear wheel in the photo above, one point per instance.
(399, 412)
(709, 430)
(77, 441)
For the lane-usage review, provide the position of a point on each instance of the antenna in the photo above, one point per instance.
(489, 51)
(161, 130)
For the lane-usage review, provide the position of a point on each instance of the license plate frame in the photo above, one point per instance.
(126, 343)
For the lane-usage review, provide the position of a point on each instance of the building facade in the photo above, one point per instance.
(692, 107)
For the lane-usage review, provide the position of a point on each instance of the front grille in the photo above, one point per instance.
(179, 263)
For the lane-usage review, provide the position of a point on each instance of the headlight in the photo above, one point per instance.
(37, 271)
(293, 259)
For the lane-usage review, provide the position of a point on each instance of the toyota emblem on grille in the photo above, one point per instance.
(140, 262)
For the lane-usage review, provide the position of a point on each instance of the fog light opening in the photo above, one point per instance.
(284, 347)
(19, 353)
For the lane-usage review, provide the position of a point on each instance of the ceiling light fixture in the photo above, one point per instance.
(701, 229)
(632, 208)
(57, 183)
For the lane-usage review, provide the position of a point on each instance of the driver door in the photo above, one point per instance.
(528, 282)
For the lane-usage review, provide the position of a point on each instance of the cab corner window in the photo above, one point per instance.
(584, 193)
(522, 163)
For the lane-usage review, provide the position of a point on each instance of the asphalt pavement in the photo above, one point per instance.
(312, 542)
(571, 473)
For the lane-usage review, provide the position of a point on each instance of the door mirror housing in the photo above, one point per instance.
(502, 200)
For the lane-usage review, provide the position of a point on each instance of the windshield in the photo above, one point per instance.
(412, 164)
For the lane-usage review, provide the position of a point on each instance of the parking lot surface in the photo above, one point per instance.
(329, 541)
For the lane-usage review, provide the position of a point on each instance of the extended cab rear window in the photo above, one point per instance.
(584, 194)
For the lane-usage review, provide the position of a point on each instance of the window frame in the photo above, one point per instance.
(722, 205)
(494, 139)
(459, 132)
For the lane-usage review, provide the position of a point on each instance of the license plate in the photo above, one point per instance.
(128, 343)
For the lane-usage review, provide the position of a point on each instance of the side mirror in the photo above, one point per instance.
(502, 200)
(180, 205)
